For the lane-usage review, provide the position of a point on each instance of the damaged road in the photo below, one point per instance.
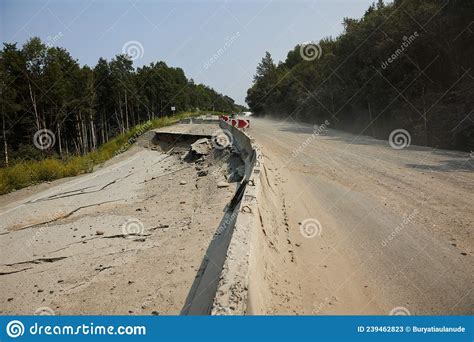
(128, 238)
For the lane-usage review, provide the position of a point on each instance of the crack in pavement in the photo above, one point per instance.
(165, 174)
(75, 193)
(14, 271)
(66, 215)
(27, 262)
(36, 261)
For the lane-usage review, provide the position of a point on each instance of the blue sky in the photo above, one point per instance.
(182, 33)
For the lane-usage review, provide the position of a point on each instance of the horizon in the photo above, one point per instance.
(227, 38)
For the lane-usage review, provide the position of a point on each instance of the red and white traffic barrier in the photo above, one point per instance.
(239, 123)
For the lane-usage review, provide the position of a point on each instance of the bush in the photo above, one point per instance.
(47, 170)
(16, 177)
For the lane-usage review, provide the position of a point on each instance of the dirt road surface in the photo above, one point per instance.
(369, 229)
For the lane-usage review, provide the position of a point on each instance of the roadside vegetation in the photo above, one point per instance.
(70, 110)
(26, 173)
(60, 119)
(406, 64)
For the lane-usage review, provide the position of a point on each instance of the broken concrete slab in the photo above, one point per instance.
(201, 146)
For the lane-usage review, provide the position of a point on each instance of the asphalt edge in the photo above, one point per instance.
(232, 295)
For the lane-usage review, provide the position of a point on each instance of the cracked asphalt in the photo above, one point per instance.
(128, 238)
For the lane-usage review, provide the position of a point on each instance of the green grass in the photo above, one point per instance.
(25, 173)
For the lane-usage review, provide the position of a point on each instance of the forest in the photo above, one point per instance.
(44, 89)
(407, 64)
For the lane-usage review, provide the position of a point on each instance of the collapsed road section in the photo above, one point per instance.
(243, 271)
(128, 238)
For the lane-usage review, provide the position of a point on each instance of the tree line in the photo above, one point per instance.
(406, 64)
(45, 88)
